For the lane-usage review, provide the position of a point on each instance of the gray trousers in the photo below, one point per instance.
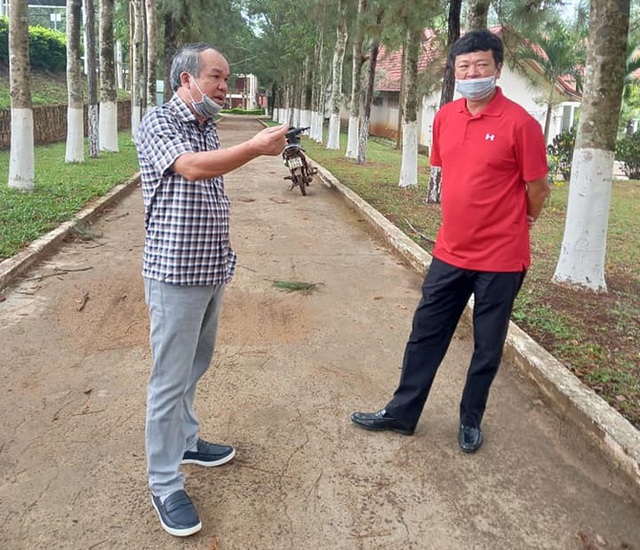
(184, 321)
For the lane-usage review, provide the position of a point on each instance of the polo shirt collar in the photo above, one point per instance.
(493, 108)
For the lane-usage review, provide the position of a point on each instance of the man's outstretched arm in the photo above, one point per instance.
(208, 164)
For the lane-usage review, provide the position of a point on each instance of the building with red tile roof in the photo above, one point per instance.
(524, 84)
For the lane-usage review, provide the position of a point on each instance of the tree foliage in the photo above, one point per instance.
(559, 52)
(218, 22)
(285, 34)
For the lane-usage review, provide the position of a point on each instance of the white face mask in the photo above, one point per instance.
(206, 107)
(476, 89)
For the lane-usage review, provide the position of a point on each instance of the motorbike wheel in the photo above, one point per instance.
(298, 178)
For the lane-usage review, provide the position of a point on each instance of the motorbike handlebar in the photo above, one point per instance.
(292, 134)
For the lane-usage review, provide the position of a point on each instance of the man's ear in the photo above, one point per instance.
(185, 79)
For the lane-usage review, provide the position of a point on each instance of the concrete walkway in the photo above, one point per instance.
(289, 369)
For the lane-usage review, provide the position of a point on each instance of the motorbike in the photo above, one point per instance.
(301, 171)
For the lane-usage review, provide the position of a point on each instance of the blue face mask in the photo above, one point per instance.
(476, 89)
(206, 107)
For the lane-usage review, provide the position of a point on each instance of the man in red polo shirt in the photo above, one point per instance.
(494, 183)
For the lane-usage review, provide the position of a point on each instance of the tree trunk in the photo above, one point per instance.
(121, 82)
(75, 104)
(368, 98)
(271, 103)
(356, 84)
(305, 112)
(333, 140)
(21, 158)
(138, 79)
(170, 48)
(315, 74)
(282, 103)
(108, 129)
(152, 51)
(288, 101)
(317, 127)
(409, 168)
(547, 118)
(92, 78)
(434, 192)
(582, 255)
(403, 70)
(477, 14)
(547, 122)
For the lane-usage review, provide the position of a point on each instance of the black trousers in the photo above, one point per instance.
(445, 292)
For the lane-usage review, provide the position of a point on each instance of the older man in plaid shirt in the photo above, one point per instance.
(187, 262)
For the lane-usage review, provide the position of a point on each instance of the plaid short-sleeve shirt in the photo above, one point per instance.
(186, 222)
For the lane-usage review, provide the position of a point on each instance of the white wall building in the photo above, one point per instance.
(515, 86)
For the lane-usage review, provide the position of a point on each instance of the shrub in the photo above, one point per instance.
(560, 153)
(47, 48)
(628, 153)
(238, 111)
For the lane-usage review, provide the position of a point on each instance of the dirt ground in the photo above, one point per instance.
(288, 370)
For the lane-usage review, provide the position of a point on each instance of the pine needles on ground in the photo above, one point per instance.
(296, 286)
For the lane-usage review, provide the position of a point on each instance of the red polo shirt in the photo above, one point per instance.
(486, 159)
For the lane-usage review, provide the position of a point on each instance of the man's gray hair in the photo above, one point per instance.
(187, 60)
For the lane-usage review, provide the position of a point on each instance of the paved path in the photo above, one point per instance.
(289, 369)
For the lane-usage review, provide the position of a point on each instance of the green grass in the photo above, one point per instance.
(61, 190)
(46, 89)
(596, 335)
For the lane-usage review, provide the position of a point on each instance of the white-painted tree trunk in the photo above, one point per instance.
(274, 115)
(75, 135)
(139, 77)
(352, 138)
(320, 128)
(584, 244)
(75, 103)
(582, 255)
(305, 120)
(108, 108)
(356, 84)
(409, 167)
(313, 123)
(109, 126)
(21, 160)
(333, 139)
(136, 117)
(296, 117)
(119, 66)
(22, 156)
(412, 47)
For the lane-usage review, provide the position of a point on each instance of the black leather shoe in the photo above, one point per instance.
(470, 438)
(379, 421)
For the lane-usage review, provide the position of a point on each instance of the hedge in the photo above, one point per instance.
(47, 48)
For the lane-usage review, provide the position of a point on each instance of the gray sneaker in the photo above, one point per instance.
(209, 454)
(178, 515)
